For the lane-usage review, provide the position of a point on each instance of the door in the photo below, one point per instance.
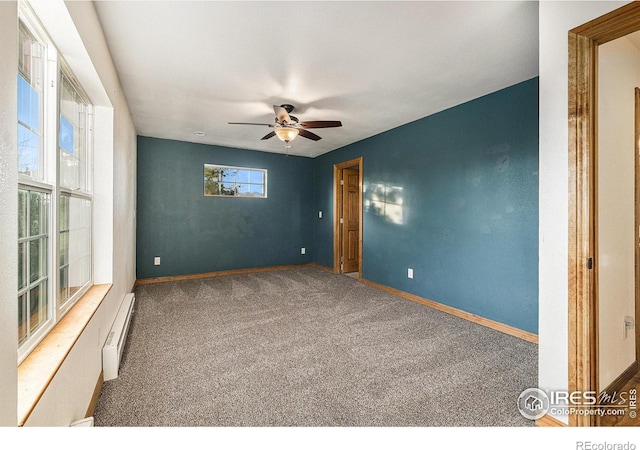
(350, 220)
(347, 218)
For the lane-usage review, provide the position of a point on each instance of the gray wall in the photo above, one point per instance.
(468, 182)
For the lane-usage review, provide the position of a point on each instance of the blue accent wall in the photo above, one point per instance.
(455, 197)
(196, 234)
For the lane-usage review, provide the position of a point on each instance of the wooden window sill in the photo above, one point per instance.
(37, 370)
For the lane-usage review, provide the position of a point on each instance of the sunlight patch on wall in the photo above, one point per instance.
(385, 200)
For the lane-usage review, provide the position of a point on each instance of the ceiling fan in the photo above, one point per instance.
(288, 127)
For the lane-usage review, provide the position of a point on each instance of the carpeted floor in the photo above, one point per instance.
(304, 347)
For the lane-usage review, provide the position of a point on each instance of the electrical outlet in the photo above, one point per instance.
(156, 261)
(303, 251)
(319, 214)
(410, 273)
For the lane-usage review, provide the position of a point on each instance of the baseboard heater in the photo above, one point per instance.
(113, 348)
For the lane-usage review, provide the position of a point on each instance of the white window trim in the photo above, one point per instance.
(54, 65)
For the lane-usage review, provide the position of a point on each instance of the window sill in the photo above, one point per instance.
(37, 370)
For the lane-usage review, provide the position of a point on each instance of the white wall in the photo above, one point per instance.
(114, 244)
(618, 76)
(75, 29)
(556, 19)
(9, 215)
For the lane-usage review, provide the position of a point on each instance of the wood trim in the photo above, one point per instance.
(582, 282)
(613, 25)
(549, 421)
(636, 243)
(38, 369)
(96, 396)
(337, 201)
(626, 376)
(325, 268)
(222, 273)
(497, 326)
(582, 327)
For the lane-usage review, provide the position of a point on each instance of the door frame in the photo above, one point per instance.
(637, 221)
(337, 208)
(583, 306)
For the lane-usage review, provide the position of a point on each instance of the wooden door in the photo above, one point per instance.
(350, 220)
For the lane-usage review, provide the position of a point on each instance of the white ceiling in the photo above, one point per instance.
(187, 66)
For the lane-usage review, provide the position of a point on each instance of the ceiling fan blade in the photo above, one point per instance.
(251, 123)
(268, 136)
(281, 114)
(308, 134)
(321, 124)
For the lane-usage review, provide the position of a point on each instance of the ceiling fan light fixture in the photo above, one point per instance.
(286, 134)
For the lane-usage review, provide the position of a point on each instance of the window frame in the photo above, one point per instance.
(50, 179)
(87, 194)
(236, 195)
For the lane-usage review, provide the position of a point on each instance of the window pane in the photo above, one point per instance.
(22, 213)
(228, 189)
(72, 137)
(64, 284)
(37, 259)
(75, 246)
(64, 248)
(38, 215)
(22, 319)
(30, 57)
(29, 154)
(37, 306)
(257, 190)
(243, 176)
(257, 177)
(64, 213)
(22, 265)
(30, 85)
(28, 105)
(229, 175)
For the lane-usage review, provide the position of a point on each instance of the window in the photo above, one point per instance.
(234, 181)
(30, 105)
(74, 202)
(55, 186)
(33, 276)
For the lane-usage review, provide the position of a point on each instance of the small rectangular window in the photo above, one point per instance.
(230, 181)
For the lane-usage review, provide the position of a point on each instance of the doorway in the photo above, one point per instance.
(347, 235)
(583, 245)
